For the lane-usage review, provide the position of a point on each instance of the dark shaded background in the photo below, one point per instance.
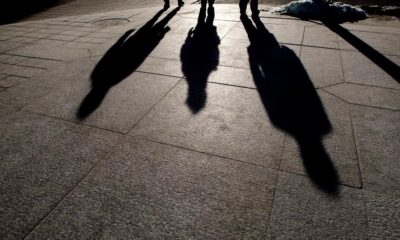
(17, 10)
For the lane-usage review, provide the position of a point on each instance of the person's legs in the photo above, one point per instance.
(166, 4)
(243, 6)
(211, 3)
(203, 3)
(254, 7)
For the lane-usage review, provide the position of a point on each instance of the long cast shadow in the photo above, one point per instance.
(379, 59)
(122, 59)
(291, 101)
(199, 57)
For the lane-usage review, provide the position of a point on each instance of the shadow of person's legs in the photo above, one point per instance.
(379, 59)
(199, 57)
(122, 59)
(291, 101)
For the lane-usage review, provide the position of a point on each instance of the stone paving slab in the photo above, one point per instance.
(377, 136)
(365, 95)
(384, 43)
(359, 69)
(320, 36)
(4, 111)
(11, 81)
(231, 124)
(324, 66)
(43, 51)
(300, 212)
(121, 106)
(383, 216)
(213, 172)
(42, 159)
(196, 196)
(339, 144)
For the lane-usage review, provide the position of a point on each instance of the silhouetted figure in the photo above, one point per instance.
(122, 59)
(210, 3)
(253, 7)
(200, 56)
(291, 101)
(166, 4)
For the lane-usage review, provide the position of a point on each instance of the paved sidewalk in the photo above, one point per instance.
(271, 129)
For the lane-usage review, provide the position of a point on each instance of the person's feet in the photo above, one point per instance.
(166, 5)
(180, 3)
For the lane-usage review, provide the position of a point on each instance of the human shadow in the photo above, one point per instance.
(122, 59)
(200, 56)
(375, 56)
(291, 101)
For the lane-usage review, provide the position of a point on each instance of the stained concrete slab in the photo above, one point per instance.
(383, 216)
(42, 159)
(366, 95)
(324, 66)
(359, 69)
(233, 124)
(378, 142)
(118, 110)
(150, 190)
(339, 145)
(51, 53)
(302, 212)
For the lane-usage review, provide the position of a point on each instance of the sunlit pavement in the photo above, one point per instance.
(149, 162)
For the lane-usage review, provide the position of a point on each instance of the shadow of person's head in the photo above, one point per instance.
(199, 57)
(123, 58)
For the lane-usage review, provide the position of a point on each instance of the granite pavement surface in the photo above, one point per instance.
(188, 124)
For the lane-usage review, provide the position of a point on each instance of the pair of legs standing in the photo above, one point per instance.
(253, 7)
(210, 3)
(166, 3)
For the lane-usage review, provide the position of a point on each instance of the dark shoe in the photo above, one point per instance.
(166, 6)
(180, 3)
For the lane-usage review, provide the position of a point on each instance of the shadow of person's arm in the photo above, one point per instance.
(379, 59)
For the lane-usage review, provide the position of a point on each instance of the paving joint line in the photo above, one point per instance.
(68, 193)
(155, 104)
(77, 122)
